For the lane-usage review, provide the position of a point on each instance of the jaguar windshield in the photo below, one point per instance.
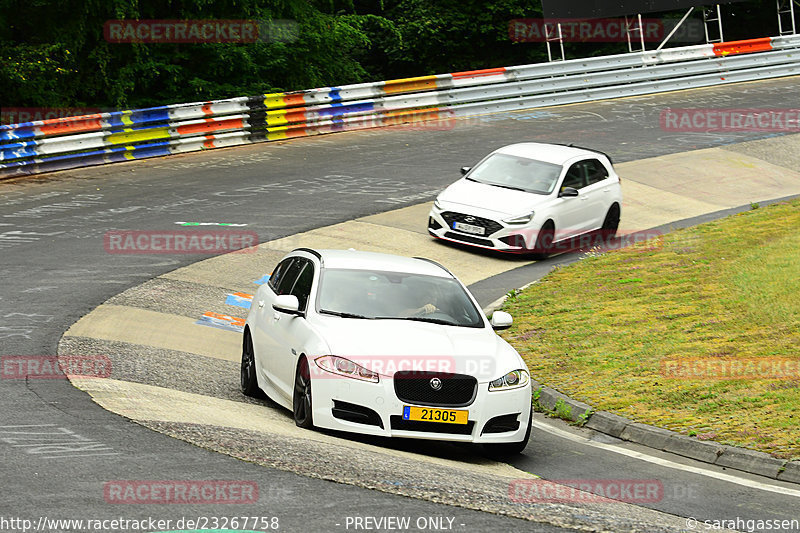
(368, 294)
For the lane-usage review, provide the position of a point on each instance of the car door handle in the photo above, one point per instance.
(606, 190)
(584, 198)
(261, 303)
(276, 317)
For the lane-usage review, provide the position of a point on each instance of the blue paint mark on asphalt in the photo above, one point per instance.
(263, 279)
(219, 324)
(238, 301)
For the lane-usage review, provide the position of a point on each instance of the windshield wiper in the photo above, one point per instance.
(343, 314)
(509, 187)
(498, 185)
(431, 320)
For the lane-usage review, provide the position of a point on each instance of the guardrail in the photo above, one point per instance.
(71, 142)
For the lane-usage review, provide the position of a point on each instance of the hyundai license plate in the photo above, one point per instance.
(469, 228)
(431, 414)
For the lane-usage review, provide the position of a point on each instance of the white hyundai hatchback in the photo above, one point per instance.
(531, 198)
(384, 345)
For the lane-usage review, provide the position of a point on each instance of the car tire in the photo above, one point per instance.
(544, 241)
(610, 223)
(510, 449)
(301, 399)
(249, 383)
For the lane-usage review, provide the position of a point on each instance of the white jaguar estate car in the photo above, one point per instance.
(530, 198)
(384, 345)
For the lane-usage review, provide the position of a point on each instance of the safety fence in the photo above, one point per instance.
(63, 143)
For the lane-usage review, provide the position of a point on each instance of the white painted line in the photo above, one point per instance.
(77, 455)
(29, 426)
(665, 462)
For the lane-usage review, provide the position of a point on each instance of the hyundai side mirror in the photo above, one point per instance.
(568, 192)
(464, 170)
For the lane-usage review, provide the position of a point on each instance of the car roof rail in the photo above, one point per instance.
(434, 263)
(573, 145)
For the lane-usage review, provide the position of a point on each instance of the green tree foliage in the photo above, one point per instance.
(53, 53)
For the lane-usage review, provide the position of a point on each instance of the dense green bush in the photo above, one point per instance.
(53, 53)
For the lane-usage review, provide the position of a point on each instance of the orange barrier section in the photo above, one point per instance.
(279, 100)
(210, 124)
(748, 46)
(58, 126)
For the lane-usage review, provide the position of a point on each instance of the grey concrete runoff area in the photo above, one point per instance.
(172, 403)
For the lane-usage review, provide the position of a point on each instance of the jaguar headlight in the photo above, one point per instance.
(515, 379)
(345, 367)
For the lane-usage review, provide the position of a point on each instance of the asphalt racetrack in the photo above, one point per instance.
(59, 449)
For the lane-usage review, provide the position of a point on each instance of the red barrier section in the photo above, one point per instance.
(478, 73)
(743, 47)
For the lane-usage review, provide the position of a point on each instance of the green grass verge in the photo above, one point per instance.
(603, 330)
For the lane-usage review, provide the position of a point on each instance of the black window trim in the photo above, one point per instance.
(583, 171)
(308, 263)
(605, 169)
(272, 284)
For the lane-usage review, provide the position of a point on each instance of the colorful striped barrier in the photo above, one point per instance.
(101, 138)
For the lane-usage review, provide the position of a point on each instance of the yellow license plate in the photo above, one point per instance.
(431, 414)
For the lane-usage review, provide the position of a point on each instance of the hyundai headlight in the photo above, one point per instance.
(521, 219)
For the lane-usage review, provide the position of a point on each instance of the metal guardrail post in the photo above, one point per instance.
(785, 7)
(709, 17)
(553, 33)
(632, 29)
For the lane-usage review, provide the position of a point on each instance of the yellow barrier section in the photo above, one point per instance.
(421, 83)
(134, 136)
